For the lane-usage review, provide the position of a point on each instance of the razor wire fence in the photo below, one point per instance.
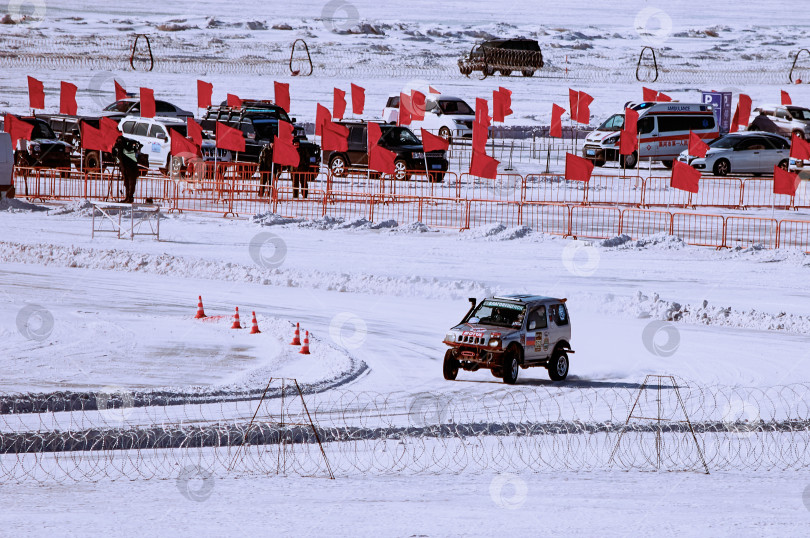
(345, 433)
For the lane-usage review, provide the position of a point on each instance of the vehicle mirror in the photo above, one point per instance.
(293, 120)
(161, 136)
(473, 320)
(532, 325)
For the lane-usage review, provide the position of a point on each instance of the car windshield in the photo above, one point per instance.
(613, 123)
(725, 142)
(455, 107)
(800, 113)
(500, 313)
(266, 129)
(119, 106)
(42, 130)
(400, 136)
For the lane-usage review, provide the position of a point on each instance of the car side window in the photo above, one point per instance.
(781, 113)
(538, 317)
(140, 129)
(560, 315)
(356, 134)
(393, 102)
(127, 127)
(156, 130)
(646, 125)
(163, 106)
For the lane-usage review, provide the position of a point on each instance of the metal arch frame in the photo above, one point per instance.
(655, 64)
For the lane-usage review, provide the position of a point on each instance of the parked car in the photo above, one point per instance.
(504, 56)
(67, 129)
(663, 133)
(44, 149)
(258, 121)
(444, 115)
(743, 153)
(155, 136)
(785, 120)
(131, 106)
(508, 332)
(401, 140)
(6, 166)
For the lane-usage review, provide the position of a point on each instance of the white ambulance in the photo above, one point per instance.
(663, 133)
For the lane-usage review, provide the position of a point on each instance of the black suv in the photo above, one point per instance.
(504, 56)
(67, 129)
(400, 140)
(258, 121)
(44, 149)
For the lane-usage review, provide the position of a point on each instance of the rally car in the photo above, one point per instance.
(505, 333)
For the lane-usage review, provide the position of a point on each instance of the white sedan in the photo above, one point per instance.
(742, 153)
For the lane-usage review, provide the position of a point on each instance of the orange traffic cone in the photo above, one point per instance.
(305, 347)
(200, 311)
(236, 323)
(297, 337)
(255, 328)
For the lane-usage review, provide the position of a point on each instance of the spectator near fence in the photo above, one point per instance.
(266, 169)
(126, 153)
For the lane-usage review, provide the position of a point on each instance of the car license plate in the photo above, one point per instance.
(436, 167)
(590, 152)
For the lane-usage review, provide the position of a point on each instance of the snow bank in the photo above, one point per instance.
(13, 205)
(661, 240)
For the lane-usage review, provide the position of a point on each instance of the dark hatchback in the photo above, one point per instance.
(401, 140)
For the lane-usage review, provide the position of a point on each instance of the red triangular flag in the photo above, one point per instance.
(110, 133)
(481, 112)
(281, 94)
(417, 106)
(799, 148)
(194, 131)
(379, 159)
(335, 137)
(584, 108)
(501, 104)
(786, 98)
(663, 98)
(229, 138)
(432, 142)
(735, 121)
(431, 89)
(36, 93)
(631, 121)
(204, 92)
(322, 115)
(284, 150)
(577, 168)
(92, 138)
(649, 95)
(404, 109)
(684, 177)
(147, 103)
(556, 121)
(742, 114)
(233, 101)
(628, 142)
(286, 132)
(338, 104)
(120, 92)
(358, 100)
(17, 128)
(697, 146)
(785, 182)
(479, 137)
(67, 99)
(182, 145)
(482, 165)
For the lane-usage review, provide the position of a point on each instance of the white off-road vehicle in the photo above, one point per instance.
(446, 116)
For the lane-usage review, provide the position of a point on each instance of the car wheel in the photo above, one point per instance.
(630, 161)
(401, 170)
(338, 166)
(445, 133)
(450, 365)
(558, 365)
(505, 72)
(527, 73)
(511, 365)
(784, 164)
(722, 167)
(92, 160)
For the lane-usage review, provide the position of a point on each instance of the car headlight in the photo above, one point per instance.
(450, 337)
(494, 342)
(418, 155)
(611, 139)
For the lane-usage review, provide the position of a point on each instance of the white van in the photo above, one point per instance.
(663, 132)
(154, 134)
(444, 115)
(6, 166)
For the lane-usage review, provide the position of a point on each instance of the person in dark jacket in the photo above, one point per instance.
(266, 169)
(126, 153)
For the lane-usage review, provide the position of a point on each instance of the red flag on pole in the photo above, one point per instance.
(742, 114)
(799, 148)
(233, 101)
(338, 104)
(120, 92)
(649, 95)
(663, 98)
(147, 103)
(229, 138)
(697, 146)
(629, 135)
(284, 150)
(110, 133)
(417, 106)
(481, 112)
(67, 99)
(432, 142)
(580, 103)
(684, 177)
(785, 182)
(479, 137)
(577, 168)
(92, 138)
(404, 109)
(194, 131)
(379, 159)
(735, 121)
(17, 128)
(36, 93)
(501, 104)
(482, 165)
(281, 94)
(786, 98)
(556, 121)
(182, 145)
(431, 89)
(322, 115)
(204, 92)
(335, 137)
(358, 99)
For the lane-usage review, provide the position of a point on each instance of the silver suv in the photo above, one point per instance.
(785, 120)
(504, 333)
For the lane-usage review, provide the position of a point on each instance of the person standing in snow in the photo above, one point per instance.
(266, 169)
(126, 153)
